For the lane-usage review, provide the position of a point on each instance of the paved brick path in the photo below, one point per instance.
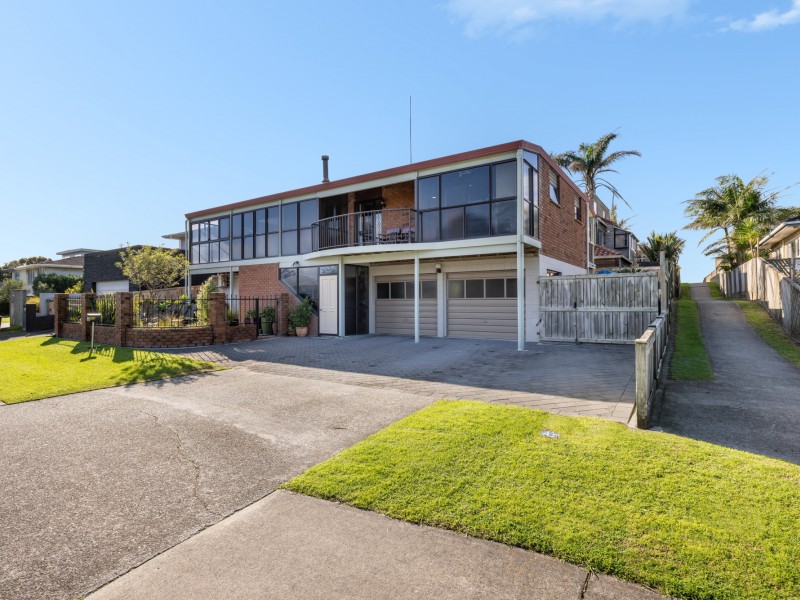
(569, 379)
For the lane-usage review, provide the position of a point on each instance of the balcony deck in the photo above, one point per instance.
(376, 227)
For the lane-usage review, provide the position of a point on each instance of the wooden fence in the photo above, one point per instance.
(761, 282)
(651, 348)
(598, 308)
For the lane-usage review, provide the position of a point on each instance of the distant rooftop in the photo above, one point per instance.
(75, 252)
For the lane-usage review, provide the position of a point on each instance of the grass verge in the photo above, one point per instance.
(689, 360)
(42, 367)
(685, 517)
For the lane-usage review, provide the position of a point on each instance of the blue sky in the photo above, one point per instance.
(118, 118)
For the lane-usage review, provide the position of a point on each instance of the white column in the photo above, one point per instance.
(416, 297)
(340, 304)
(520, 251)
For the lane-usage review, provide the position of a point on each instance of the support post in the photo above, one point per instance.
(340, 312)
(416, 297)
(663, 292)
(520, 250)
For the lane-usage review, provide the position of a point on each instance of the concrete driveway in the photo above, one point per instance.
(570, 379)
(96, 483)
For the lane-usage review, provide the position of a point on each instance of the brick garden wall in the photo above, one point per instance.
(563, 237)
(264, 280)
(181, 337)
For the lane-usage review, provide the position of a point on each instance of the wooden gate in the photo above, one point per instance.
(597, 308)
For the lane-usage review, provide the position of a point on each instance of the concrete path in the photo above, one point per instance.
(754, 402)
(291, 546)
(588, 380)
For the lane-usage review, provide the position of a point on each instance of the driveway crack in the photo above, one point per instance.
(184, 456)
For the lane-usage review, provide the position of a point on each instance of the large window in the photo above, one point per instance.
(469, 203)
(296, 221)
(210, 241)
(530, 192)
(304, 281)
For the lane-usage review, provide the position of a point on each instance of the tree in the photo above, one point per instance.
(7, 268)
(55, 283)
(670, 243)
(6, 287)
(153, 268)
(590, 161)
(742, 212)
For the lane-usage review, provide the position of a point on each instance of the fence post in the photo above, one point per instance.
(84, 323)
(283, 313)
(59, 312)
(17, 307)
(123, 302)
(663, 293)
(216, 309)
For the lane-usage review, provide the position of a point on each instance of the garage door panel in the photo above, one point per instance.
(484, 318)
(109, 287)
(396, 317)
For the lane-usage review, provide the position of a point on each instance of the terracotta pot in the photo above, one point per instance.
(274, 328)
(301, 331)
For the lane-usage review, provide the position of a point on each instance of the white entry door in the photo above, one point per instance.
(328, 302)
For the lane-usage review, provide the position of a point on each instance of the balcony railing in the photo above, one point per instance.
(387, 226)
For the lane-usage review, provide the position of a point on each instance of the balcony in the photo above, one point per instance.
(375, 227)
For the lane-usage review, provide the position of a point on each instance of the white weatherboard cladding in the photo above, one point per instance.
(109, 287)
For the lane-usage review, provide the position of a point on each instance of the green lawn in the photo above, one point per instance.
(685, 517)
(689, 360)
(759, 319)
(41, 367)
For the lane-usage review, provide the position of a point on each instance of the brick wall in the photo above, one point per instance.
(241, 333)
(104, 334)
(71, 331)
(563, 237)
(179, 337)
(264, 280)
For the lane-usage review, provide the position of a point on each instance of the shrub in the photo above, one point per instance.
(301, 314)
(203, 296)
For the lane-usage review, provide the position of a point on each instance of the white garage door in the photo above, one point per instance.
(482, 305)
(394, 307)
(109, 287)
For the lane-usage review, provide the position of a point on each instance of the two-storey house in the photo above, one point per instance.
(449, 247)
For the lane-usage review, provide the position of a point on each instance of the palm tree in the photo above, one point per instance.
(742, 212)
(590, 162)
(670, 243)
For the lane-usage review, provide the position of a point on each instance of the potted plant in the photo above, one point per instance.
(270, 317)
(300, 317)
(232, 316)
(250, 316)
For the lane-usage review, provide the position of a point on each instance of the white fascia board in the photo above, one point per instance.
(466, 164)
(531, 241)
(391, 251)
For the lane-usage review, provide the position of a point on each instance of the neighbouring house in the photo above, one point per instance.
(473, 232)
(70, 263)
(613, 247)
(783, 245)
(103, 276)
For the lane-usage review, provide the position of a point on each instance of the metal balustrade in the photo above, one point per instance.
(386, 226)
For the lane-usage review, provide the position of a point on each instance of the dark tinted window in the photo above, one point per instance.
(289, 277)
(213, 230)
(495, 288)
(289, 216)
(237, 225)
(309, 212)
(236, 249)
(224, 228)
(455, 288)
(261, 246)
(247, 223)
(511, 288)
(398, 289)
(504, 180)
(273, 219)
(289, 243)
(504, 218)
(224, 250)
(430, 226)
(453, 224)
(467, 186)
(477, 220)
(383, 291)
(204, 231)
(474, 288)
(410, 290)
(261, 221)
(305, 241)
(247, 247)
(428, 193)
(554, 187)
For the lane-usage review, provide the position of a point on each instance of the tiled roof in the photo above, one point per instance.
(604, 251)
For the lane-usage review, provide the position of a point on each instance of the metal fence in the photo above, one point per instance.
(262, 311)
(74, 310)
(169, 312)
(105, 305)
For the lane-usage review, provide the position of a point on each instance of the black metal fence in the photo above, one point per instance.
(74, 310)
(169, 312)
(105, 305)
(263, 311)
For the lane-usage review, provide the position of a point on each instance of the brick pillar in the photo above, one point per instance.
(84, 324)
(283, 314)
(124, 319)
(59, 312)
(219, 324)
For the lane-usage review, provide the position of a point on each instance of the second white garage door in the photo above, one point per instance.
(394, 307)
(482, 305)
(109, 287)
